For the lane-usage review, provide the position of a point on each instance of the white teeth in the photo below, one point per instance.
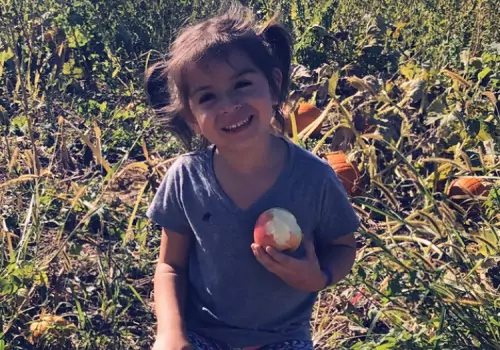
(237, 125)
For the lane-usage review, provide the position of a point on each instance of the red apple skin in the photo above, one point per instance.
(264, 239)
(260, 235)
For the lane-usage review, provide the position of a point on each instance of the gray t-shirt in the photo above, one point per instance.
(231, 296)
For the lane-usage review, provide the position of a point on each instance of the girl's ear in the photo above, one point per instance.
(278, 78)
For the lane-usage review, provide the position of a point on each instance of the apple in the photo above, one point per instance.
(278, 228)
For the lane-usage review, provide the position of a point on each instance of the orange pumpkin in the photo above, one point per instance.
(46, 324)
(346, 171)
(466, 186)
(305, 114)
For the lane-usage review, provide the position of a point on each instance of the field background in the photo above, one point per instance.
(410, 91)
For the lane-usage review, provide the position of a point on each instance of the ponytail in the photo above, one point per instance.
(155, 85)
(166, 108)
(279, 42)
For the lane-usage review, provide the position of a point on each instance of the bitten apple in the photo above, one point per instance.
(278, 228)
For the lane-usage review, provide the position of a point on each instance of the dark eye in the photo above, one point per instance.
(242, 84)
(206, 97)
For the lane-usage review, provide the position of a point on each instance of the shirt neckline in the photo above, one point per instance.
(228, 202)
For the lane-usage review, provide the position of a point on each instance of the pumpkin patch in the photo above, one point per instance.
(305, 114)
(346, 171)
(466, 186)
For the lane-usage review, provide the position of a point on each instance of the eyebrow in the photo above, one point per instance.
(235, 76)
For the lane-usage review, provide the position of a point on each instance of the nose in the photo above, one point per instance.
(229, 104)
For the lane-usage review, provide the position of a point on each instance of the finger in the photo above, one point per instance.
(265, 259)
(281, 258)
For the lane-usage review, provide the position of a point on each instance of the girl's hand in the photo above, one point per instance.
(172, 343)
(303, 274)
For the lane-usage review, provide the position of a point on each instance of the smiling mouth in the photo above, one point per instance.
(238, 126)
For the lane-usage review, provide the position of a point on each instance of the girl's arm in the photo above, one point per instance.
(170, 284)
(338, 257)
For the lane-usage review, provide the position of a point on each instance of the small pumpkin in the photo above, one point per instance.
(305, 114)
(48, 324)
(347, 172)
(466, 186)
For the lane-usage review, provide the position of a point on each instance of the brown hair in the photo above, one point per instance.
(268, 48)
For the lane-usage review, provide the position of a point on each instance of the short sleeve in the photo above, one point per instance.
(166, 208)
(337, 217)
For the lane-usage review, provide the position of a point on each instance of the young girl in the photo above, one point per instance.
(226, 82)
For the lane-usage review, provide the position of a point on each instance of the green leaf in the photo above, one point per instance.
(19, 122)
(482, 74)
(362, 273)
(7, 287)
(408, 71)
(138, 296)
(67, 66)
(488, 244)
(484, 131)
(6, 55)
(385, 346)
(494, 322)
(103, 106)
(77, 40)
(40, 278)
(476, 63)
(70, 69)
(115, 72)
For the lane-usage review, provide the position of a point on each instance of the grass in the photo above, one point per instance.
(410, 92)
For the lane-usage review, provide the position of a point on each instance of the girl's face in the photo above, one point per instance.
(231, 104)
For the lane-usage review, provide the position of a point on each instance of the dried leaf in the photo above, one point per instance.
(145, 149)
(332, 84)
(457, 78)
(98, 136)
(13, 160)
(115, 72)
(95, 151)
(436, 106)
(362, 84)
(129, 234)
(414, 89)
(23, 178)
(300, 71)
(78, 195)
(491, 96)
(135, 165)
